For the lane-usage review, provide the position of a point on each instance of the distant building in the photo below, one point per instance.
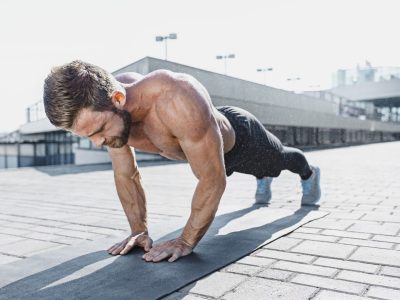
(364, 73)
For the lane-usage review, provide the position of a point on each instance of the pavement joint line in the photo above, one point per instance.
(365, 290)
(35, 239)
(291, 276)
(315, 294)
(13, 255)
(369, 284)
(60, 221)
(62, 228)
(305, 233)
(72, 210)
(45, 194)
(347, 228)
(344, 243)
(94, 208)
(57, 234)
(379, 270)
(362, 261)
(337, 291)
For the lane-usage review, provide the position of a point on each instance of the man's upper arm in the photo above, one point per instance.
(123, 161)
(188, 114)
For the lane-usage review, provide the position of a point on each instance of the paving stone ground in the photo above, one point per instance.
(352, 253)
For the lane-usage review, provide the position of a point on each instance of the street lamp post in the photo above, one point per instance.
(171, 36)
(265, 70)
(225, 57)
(293, 79)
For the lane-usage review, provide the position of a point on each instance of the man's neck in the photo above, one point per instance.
(135, 104)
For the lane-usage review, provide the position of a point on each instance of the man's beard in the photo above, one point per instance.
(122, 140)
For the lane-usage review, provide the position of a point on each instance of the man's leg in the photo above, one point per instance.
(296, 162)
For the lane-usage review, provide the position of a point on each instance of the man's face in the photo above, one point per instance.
(110, 128)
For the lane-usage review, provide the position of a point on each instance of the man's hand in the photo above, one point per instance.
(173, 249)
(135, 239)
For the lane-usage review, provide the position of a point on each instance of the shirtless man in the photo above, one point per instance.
(170, 114)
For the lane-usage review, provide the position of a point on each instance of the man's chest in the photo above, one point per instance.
(154, 137)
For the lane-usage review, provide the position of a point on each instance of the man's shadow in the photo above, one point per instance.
(129, 277)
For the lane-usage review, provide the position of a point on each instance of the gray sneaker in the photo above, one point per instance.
(311, 188)
(263, 193)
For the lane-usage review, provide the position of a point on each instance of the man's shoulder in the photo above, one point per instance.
(128, 77)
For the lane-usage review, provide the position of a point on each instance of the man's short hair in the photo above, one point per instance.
(73, 86)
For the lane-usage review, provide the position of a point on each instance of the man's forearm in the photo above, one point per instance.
(204, 207)
(133, 200)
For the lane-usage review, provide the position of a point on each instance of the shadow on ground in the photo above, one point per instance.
(98, 275)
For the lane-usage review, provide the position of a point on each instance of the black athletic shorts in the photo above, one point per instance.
(256, 151)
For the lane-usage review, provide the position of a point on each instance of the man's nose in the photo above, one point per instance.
(98, 141)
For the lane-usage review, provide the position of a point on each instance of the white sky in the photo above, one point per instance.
(298, 38)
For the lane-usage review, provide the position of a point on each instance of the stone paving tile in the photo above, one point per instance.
(330, 295)
(345, 215)
(303, 268)
(217, 284)
(330, 224)
(307, 230)
(383, 293)
(385, 238)
(327, 283)
(46, 229)
(259, 289)
(341, 233)
(372, 244)
(14, 231)
(27, 247)
(275, 274)
(377, 256)
(81, 234)
(256, 261)
(284, 243)
(385, 281)
(382, 216)
(346, 265)
(286, 256)
(41, 236)
(242, 269)
(314, 237)
(391, 271)
(5, 259)
(373, 227)
(324, 249)
(9, 239)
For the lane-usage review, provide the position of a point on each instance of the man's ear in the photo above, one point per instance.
(119, 99)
